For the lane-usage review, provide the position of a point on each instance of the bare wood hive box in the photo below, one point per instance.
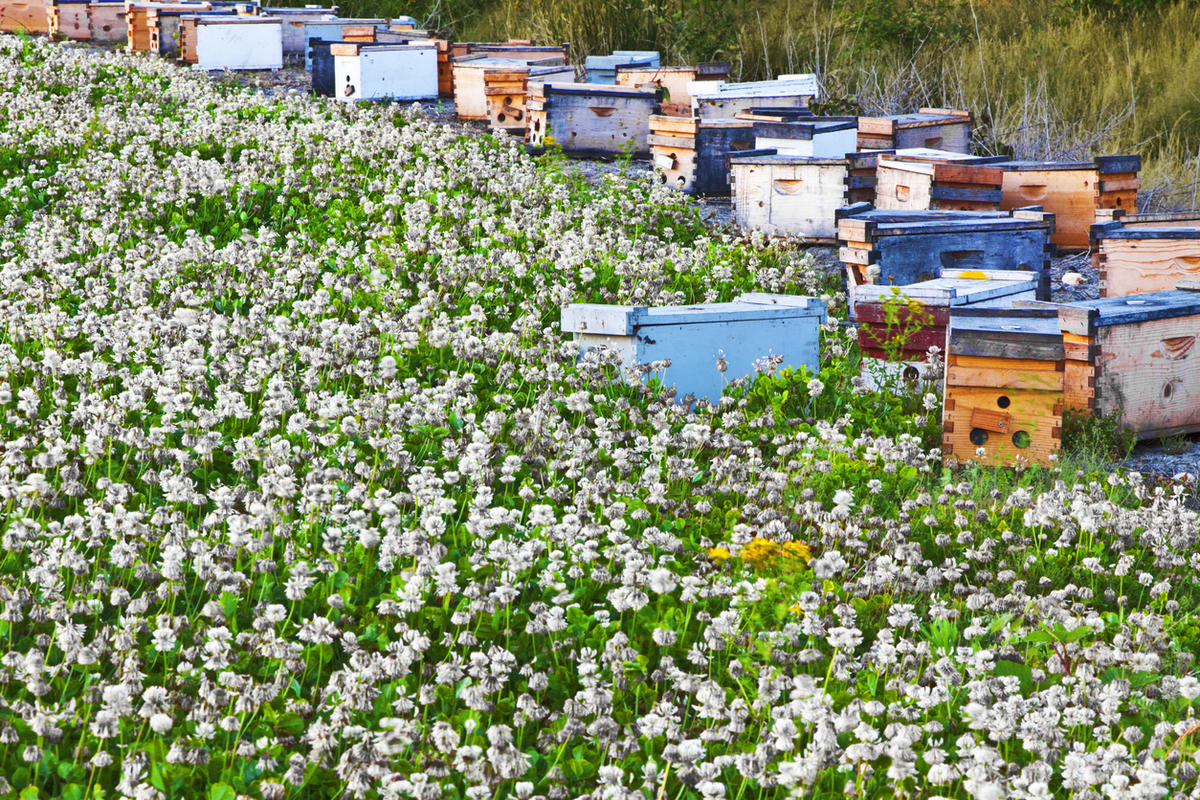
(106, 22)
(1146, 253)
(904, 247)
(1073, 191)
(721, 100)
(69, 18)
(588, 119)
(603, 69)
(30, 17)
(785, 195)
(954, 185)
(1003, 399)
(365, 71)
(693, 155)
(225, 42)
(744, 332)
(672, 82)
(1136, 357)
(897, 325)
(494, 90)
(935, 128)
(141, 20)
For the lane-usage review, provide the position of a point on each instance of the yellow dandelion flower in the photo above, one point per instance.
(760, 552)
(719, 554)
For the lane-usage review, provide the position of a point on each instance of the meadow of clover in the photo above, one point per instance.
(305, 496)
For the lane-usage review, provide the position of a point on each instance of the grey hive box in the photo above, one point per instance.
(940, 128)
(743, 332)
(591, 120)
(603, 69)
(719, 99)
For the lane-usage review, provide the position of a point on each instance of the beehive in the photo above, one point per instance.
(904, 247)
(592, 120)
(25, 17)
(365, 71)
(164, 25)
(332, 31)
(965, 184)
(603, 69)
(1073, 191)
(140, 21)
(693, 155)
(68, 19)
(815, 137)
(935, 128)
(672, 82)
(230, 42)
(494, 90)
(1135, 358)
(106, 22)
(721, 100)
(785, 195)
(744, 333)
(897, 325)
(1146, 253)
(1003, 396)
(292, 25)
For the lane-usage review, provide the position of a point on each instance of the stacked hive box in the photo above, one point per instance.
(799, 196)
(365, 71)
(495, 89)
(333, 31)
(587, 119)
(1146, 253)
(898, 324)
(904, 247)
(164, 26)
(815, 137)
(941, 183)
(140, 21)
(603, 69)
(672, 82)
(106, 22)
(936, 128)
(229, 42)
(25, 17)
(693, 155)
(1072, 191)
(1136, 357)
(743, 333)
(1004, 387)
(720, 100)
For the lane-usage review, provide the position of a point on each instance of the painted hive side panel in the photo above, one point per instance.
(239, 46)
(107, 22)
(1149, 372)
(907, 259)
(409, 74)
(600, 123)
(1132, 266)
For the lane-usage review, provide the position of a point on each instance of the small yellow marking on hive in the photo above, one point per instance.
(973, 275)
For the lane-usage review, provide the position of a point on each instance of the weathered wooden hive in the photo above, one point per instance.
(1073, 191)
(1146, 252)
(213, 42)
(904, 247)
(593, 120)
(367, 71)
(69, 18)
(1003, 400)
(1136, 358)
(816, 137)
(292, 24)
(693, 155)
(939, 183)
(106, 22)
(721, 100)
(935, 128)
(494, 90)
(333, 31)
(603, 69)
(25, 17)
(897, 325)
(672, 82)
(140, 22)
(784, 195)
(745, 332)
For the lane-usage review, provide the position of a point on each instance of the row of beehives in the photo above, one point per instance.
(1012, 365)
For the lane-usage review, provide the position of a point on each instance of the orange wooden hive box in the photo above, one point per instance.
(1004, 387)
(672, 82)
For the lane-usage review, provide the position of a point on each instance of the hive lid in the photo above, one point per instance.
(954, 288)
(616, 320)
(1105, 165)
(1020, 333)
(1084, 316)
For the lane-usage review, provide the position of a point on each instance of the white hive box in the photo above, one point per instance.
(744, 332)
(720, 99)
(818, 137)
(384, 72)
(212, 43)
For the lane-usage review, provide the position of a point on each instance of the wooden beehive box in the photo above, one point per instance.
(951, 185)
(815, 137)
(494, 90)
(693, 155)
(106, 22)
(228, 42)
(904, 247)
(332, 31)
(1003, 397)
(721, 100)
(292, 25)
(365, 71)
(672, 82)
(69, 19)
(526, 51)
(591, 120)
(785, 195)
(935, 128)
(1135, 358)
(1072, 191)
(898, 324)
(164, 25)
(1144, 254)
(25, 17)
(603, 69)
(141, 18)
(744, 332)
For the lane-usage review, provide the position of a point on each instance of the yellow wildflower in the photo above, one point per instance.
(718, 554)
(797, 550)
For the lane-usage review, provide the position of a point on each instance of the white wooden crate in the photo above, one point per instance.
(238, 43)
(385, 72)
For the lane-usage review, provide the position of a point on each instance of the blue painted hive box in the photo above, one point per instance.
(744, 333)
